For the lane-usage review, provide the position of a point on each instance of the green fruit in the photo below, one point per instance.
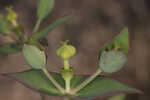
(34, 56)
(66, 51)
(112, 61)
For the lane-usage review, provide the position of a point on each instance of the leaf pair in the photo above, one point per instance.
(100, 87)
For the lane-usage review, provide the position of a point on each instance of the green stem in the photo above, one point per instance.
(66, 64)
(86, 82)
(67, 82)
(20, 36)
(53, 81)
(37, 26)
(14, 22)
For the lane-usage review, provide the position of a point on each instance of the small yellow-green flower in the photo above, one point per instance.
(12, 16)
(66, 51)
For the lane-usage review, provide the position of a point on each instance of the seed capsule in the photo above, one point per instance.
(34, 56)
(112, 61)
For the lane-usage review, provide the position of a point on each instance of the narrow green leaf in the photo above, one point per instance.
(9, 48)
(120, 43)
(34, 56)
(44, 8)
(100, 87)
(45, 32)
(4, 27)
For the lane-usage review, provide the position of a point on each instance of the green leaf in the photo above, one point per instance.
(45, 32)
(34, 56)
(4, 27)
(101, 86)
(37, 81)
(9, 48)
(120, 43)
(112, 61)
(44, 8)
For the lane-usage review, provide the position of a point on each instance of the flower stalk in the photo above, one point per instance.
(53, 81)
(86, 82)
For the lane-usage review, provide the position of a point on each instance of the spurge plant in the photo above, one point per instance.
(66, 84)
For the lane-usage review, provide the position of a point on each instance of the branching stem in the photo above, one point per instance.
(86, 82)
(37, 26)
(53, 81)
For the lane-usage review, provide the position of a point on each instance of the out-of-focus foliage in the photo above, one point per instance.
(9, 48)
(118, 97)
(4, 27)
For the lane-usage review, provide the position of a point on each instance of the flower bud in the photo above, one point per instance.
(66, 51)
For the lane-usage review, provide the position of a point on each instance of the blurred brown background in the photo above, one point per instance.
(93, 23)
